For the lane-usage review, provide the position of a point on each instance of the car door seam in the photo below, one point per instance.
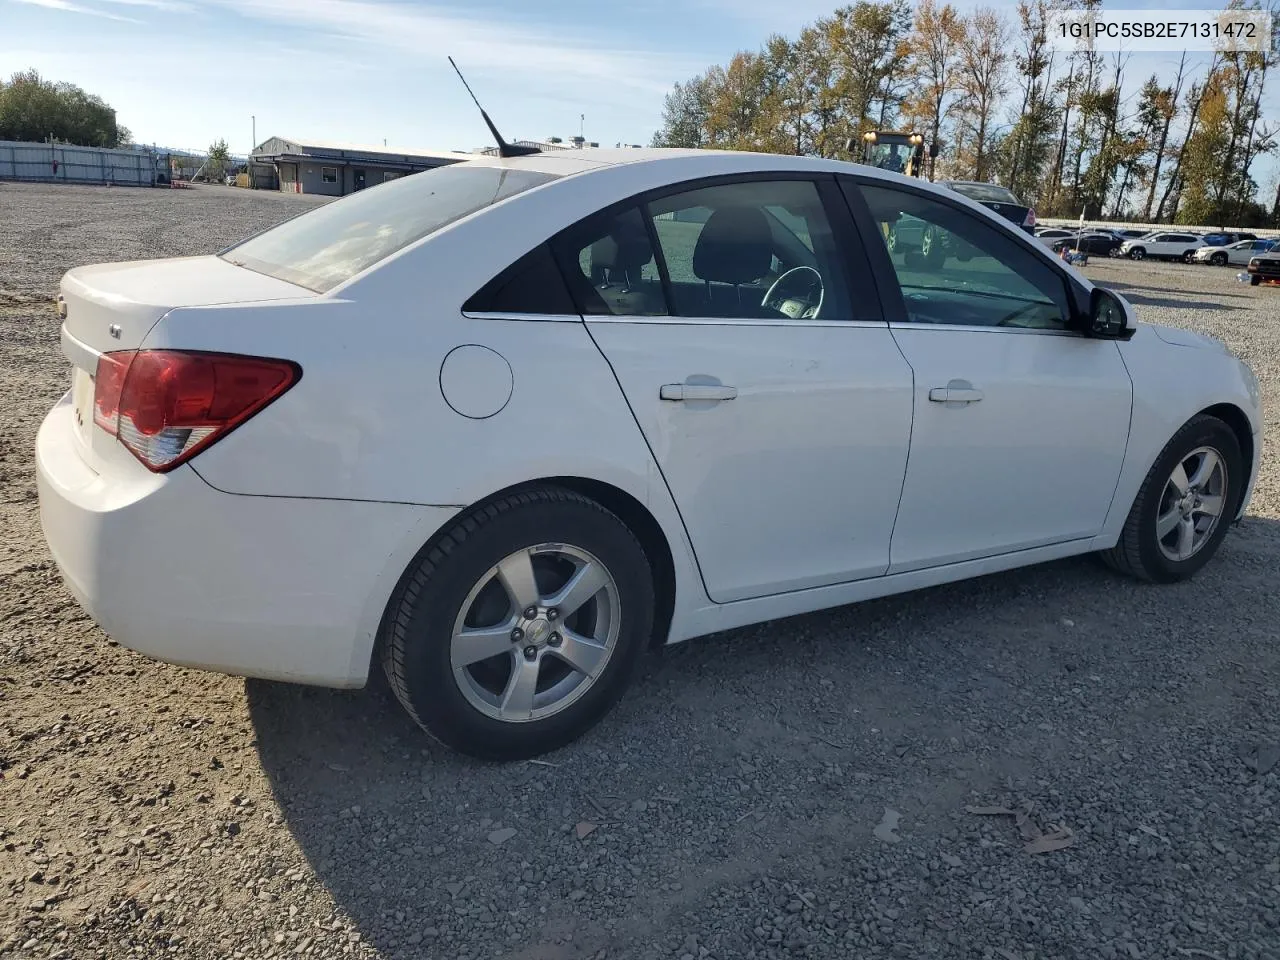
(1128, 436)
(906, 464)
(653, 458)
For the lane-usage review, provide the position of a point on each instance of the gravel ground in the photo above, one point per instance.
(802, 788)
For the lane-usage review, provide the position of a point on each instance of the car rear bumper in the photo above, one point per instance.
(273, 587)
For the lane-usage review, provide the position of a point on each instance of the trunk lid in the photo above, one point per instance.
(113, 306)
(1010, 211)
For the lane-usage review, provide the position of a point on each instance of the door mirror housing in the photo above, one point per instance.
(1108, 316)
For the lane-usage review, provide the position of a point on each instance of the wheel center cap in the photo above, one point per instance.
(538, 631)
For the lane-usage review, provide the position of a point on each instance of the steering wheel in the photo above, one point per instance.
(794, 306)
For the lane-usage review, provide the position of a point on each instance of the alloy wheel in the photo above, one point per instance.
(1192, 504)
(535, 633)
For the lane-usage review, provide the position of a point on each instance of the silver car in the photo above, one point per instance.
(1240, 252)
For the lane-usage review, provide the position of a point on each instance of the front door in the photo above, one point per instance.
(776, 404)
(1020, 424)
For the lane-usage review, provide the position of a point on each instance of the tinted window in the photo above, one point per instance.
(531, 285)
(609, 265)
(756, 249)
(957, 269)
(330, 244)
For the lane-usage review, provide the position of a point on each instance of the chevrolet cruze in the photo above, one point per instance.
(500, 426)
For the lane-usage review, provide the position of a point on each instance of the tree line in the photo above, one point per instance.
(35, 109)
(1056, 127)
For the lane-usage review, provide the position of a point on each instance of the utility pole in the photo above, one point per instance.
(254, 144)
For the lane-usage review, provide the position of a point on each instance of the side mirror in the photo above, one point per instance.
(1108, 318)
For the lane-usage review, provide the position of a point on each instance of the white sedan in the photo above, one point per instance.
(502, 425)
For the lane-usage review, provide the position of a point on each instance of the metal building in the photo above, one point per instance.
(336, 169)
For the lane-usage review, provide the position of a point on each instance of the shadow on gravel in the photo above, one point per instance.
(412, 840)
(1152, 297)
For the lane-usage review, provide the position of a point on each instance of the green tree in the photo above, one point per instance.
(684, 115)
(1156, 110)
(870, 44)
(218, 160)
(1204, 154)
(35, 109)
(1029, 144)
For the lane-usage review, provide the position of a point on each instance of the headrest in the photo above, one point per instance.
(735, 246)
(626, 247)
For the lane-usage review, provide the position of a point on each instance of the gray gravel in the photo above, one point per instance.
(802, 788)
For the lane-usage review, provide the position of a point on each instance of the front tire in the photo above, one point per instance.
(1185, 505)
(1254, 280)
(519, 628)
(1137, 253)
(1218, 259)
(1187, 255)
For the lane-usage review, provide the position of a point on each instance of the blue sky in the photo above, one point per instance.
(185, 72)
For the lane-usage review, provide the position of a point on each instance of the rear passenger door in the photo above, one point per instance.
(741, 321)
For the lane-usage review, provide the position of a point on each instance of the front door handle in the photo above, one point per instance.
(957, 391)
(697, 391)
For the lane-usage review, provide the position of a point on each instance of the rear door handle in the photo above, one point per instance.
(957, 391)
(697, 391)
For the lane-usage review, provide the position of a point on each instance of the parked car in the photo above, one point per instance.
(1163, 245)
(649, 395)
(1094, 244)
(1240, 252)
(1000, 199)
(1265, 265)
(1130, 233)
(1227, 238)
(1051, 235)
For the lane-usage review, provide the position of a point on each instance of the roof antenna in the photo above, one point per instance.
(504, 149)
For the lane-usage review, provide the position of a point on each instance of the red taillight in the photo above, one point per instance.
(1030, 219)
(167, 405)
(108, 381)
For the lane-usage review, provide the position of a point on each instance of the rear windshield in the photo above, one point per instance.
(984, 192)
(326, 246)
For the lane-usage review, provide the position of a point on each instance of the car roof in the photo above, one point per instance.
(696, 163)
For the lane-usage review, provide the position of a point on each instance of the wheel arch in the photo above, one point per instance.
(638, 518)
(1238, 421)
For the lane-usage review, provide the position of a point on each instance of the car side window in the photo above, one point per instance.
(956, 269)
(609, 265)
(753, 250)
(532, 284)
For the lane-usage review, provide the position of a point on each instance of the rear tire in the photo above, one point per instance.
(1141, 551)
(435, 616)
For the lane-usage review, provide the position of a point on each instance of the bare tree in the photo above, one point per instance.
(983, 83)
(1163, 103)
(935, 42)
